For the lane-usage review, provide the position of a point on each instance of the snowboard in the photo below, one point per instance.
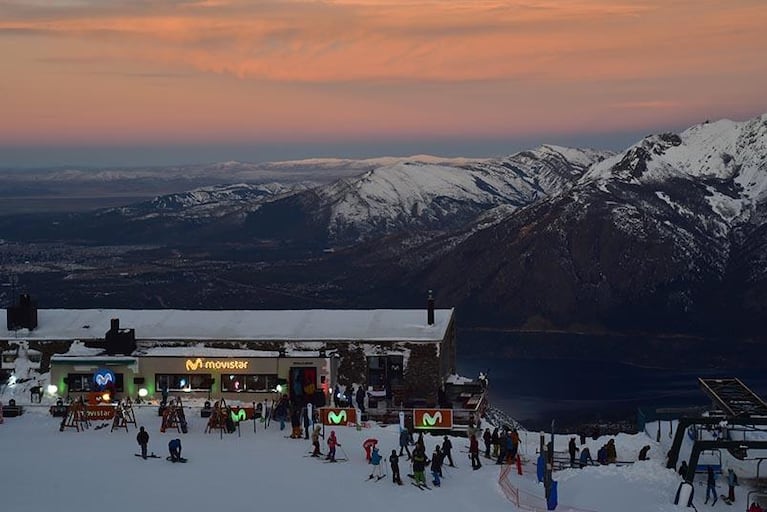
(182, 459)
(150, 456)
(334, 461)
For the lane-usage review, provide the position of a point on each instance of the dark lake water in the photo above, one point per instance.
(570, 391)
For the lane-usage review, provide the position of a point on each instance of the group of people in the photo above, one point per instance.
(350, 396)
(174, 446)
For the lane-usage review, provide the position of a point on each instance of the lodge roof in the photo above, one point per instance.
(240, 325)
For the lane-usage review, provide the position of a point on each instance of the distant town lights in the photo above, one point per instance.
(52, 389)
(143, 392)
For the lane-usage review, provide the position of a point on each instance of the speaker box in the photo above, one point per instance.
(138, 380)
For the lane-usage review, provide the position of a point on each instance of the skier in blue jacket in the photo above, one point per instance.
(375, 460)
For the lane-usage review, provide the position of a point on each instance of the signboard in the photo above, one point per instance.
(193, 365)
(336, 417)
(432, 418)
(100, 412)
(242, 413)
(104, 377)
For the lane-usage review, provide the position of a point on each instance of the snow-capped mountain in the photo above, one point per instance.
(425, 196)
(669, 234)
(207, 202)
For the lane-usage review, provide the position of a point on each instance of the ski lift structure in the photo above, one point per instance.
(737, 410)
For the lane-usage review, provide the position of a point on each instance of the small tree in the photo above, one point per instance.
(422, 372)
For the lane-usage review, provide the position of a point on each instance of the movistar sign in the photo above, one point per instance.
(433, 418)
(192, 365)
(337, 419)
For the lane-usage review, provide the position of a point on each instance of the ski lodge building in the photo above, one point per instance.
(402, 357)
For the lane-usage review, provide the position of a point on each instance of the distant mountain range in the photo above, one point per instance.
(669, 235)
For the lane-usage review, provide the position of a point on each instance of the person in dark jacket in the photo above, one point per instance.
(394, 463)
(711, 485)
(474, 452)
(361, 399)
(436, 466)
(404, 440)
(496, 444)
(643, 452)
(683, 469)
(447, 447)
(487, 437)
(502, 447)
(419, 464)
(573, 449)
(585, 458)
(732, 481)
(142, 438)
(349, 396)
(174, 447)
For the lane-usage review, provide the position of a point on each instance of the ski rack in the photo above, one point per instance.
(218, 416)
(173, 416)
(76, 417)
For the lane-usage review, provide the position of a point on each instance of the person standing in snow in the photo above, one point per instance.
(394, 462)
(142, 438)
(585, 458)
(711, 485)
(612, 456)
(732, 481)
(502, 447)
(332, 443)
(683, 469)
(349, 394)
(361, 399)
(573, 449)
(494, 441)
(404, 440)
(316, 441)
(643, 452)
(447, 446)
(436, 466)
(419, 464)
(474, 452)
(487, 437)
(375, 460)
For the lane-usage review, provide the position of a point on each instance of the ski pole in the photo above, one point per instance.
(344, 452)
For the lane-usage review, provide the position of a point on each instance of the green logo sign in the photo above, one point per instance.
(337, 419)
(240, 415)
(430, 421)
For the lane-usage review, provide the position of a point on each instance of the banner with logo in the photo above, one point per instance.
(432, 418)
(338, 417)
(242, 413)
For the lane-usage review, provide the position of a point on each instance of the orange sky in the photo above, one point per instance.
(91, 72)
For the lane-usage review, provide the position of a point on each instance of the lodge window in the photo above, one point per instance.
(80, 382)
(183, 382)
(385, 371)
(249, 383)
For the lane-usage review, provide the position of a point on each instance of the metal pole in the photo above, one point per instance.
(254, 417)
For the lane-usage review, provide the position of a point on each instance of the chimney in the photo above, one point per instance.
(430, 309)
(119, 341)
(22, 315)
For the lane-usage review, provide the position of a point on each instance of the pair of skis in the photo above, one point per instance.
(423, 487)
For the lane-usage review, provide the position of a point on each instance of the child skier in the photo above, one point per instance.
(316, 441)
(394, 462)
(375, 460)
(332, 443)
(142, 438)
